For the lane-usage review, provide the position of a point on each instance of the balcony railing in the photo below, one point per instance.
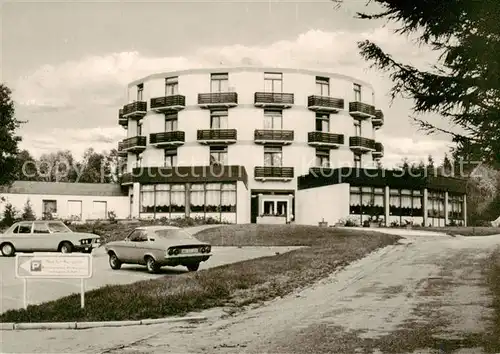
(325, 104)
(273, 173)
(360, 144)
(379, 150)
(168, 103)
(121, 151)
(211, 136)
(174, 138)
(134, 144)
(273, 136)
(121, 119)
(325, 139)
(361, 110)
(378, 120)
(273, 99)
(218, 99)
(135, 110)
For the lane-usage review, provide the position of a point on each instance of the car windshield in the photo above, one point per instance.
(173, 234)
(58, 227)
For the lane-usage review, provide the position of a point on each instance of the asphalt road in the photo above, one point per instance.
(38, 291)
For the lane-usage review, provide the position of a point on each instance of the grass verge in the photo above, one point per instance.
(230, 285)
(464, 231)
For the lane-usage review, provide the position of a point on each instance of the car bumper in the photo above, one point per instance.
(185, 260)
(86, 248)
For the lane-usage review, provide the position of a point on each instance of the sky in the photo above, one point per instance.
(68, 63)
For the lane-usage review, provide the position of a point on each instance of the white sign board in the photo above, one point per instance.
(53, 265)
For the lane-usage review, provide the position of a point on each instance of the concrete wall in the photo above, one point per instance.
(328, 203)
(67, 205)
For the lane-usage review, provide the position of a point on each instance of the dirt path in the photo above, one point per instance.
(396, 300)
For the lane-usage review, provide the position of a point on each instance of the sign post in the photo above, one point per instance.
(51, 266)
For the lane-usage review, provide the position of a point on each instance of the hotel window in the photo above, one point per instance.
(171, 86)
(171, 122)
(455, 208)
(212, 198)
(323, 158)
(357, 92)
(322, 86)
(357, 161)
(366, 201)
(140, 91)
(218, 155)
(405, 202)
(49, 208)
(273, 119)
(170, 157)
(219, 82)
(163, 198)
(219, 119)
(273, 156)
(273, 82)
(138, 160)
(357, 128)
(435, 209)
(139, 128)
(147, 198)
(322, 122)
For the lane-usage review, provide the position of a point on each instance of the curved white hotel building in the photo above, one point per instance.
(268, 145)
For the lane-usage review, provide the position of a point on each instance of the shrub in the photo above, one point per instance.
(28, 213)
(9, 215)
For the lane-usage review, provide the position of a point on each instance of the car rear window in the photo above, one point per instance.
(173, 233)
(58, 227)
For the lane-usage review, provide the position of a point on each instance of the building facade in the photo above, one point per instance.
(231, 143)
(68, 201)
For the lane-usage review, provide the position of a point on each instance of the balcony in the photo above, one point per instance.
(168, 103)
(284, 137)
(378, 120)
(359, 144)
(273, 100)
(218, 100)
(323, 139)
(121, 151)
(361, 110)
(126, 179)
(135, 144)
(122, 120)
(273, 173)
(217, 136)
(379, 151)
(167, 139)
(325, 104)
(135, 110)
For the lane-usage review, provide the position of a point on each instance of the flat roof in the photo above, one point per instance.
(235, 69)
(64, 188)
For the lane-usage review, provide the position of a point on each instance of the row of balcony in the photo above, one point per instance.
(358, 144)
(359, 110)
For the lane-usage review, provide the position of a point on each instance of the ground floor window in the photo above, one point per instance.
(405, 202)
(163, 198)
(200, 197)
(213, 197)
(368, 201)
(455, 207)
(436, 207)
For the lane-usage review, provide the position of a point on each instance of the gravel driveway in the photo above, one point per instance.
(397, 300)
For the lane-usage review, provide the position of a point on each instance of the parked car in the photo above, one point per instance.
(158, 246)
(45, 236)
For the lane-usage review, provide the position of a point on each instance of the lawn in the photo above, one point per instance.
(464, 231)
(232, 285)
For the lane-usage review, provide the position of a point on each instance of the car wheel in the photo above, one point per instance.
(8, 250)
(152, 265)
(114, 262)
(193, 267)
(66, 247)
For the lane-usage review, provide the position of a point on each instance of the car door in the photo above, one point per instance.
(23, 236)
(46, 241)
(125, 249)
(137, 242)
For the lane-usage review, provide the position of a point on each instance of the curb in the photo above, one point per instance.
(85, 325)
